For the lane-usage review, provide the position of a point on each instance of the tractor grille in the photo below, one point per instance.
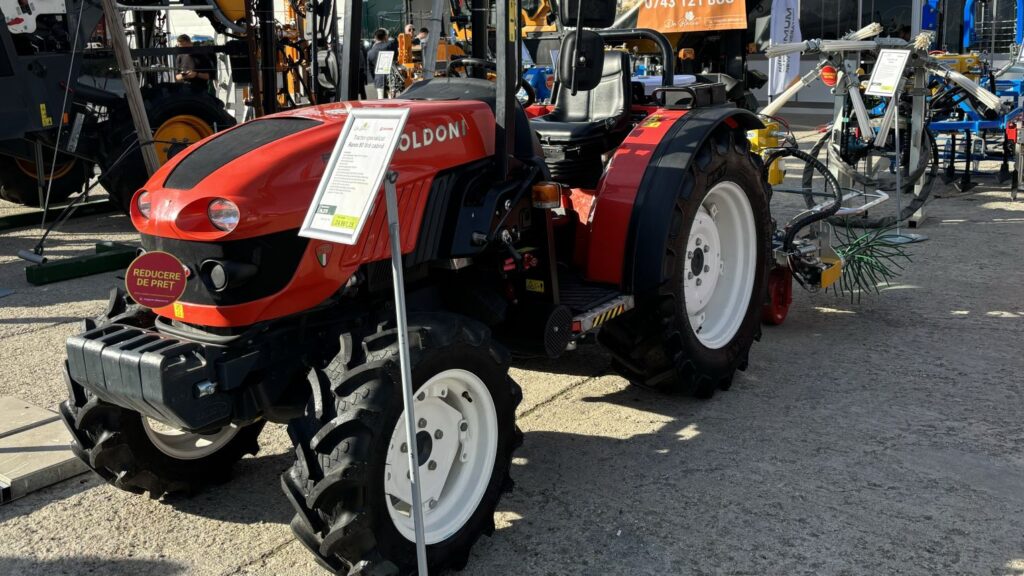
(276, 256)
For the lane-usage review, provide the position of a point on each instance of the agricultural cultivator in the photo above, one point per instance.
(641, 221)
(873, 150)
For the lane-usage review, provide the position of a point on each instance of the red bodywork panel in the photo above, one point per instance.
(616, 194)
(274, 185)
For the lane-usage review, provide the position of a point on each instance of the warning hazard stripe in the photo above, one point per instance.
(596, 317)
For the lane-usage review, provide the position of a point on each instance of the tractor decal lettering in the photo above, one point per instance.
(417, 139)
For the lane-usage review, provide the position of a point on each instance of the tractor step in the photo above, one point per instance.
(582, 296)
(592, 304)
(595, 317)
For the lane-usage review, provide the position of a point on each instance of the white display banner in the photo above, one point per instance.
(784, 29)
(354, 174)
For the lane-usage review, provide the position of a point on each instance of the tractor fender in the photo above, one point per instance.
(662, 184)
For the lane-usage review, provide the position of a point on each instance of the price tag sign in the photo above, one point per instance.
(354, 174)
(887, 73)
(384, 60)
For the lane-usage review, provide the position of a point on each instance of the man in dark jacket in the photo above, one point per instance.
(380, 44)
(194, 69)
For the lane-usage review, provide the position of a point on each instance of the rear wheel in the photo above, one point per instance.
(18, 179)
(350, 485)
(697, 330)
(179, 114)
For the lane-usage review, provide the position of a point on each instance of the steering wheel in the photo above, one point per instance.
(470, 62)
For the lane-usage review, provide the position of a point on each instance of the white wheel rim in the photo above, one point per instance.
(456, 467)
(186, 445)
(721, 257)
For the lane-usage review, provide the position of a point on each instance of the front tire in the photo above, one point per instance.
(349, 484)
(138, 455)
(698, 329)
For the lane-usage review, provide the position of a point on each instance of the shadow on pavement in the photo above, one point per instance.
(92, 565)
(253, 495)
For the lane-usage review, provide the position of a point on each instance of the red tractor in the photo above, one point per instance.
(643, 220)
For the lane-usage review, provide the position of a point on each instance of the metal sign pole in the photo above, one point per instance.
(403, 354)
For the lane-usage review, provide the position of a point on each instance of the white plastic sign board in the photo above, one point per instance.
(888, 71)
(384, 60)
(354, 174)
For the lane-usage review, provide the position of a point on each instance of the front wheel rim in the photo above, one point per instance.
(457, 442)
(719, 270)
(184, 445)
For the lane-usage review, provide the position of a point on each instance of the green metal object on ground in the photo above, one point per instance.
(108, 256)
(34, 217)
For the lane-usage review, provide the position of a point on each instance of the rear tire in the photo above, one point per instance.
(689, 337)
(18, 181)
(124, 170)
(348, 513)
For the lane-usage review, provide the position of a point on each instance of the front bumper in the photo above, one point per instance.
(188, 385)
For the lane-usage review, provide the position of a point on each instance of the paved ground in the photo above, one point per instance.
(882, 437)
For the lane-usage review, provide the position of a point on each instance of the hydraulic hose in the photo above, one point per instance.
(809, 217)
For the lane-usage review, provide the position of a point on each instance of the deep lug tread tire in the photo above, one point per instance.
(112, 441)
(336, 483)
(653, 346)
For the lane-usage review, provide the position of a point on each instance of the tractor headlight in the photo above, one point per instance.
(223, 214)
(143, 204)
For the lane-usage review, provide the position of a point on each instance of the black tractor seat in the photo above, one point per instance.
(584, 126)
(526, 145)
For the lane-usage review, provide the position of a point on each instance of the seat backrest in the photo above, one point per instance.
(611, 98)
(450, 88)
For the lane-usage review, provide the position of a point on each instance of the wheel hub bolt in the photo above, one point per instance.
(689, 255)
(438, 434)
(698, 282)
(422, 423)
(463, 427)
(689, 275)
(707, 248)
(707, 268)
(698, 241)
(431, 465)
(405, 447)
(432, 504)
(421, 396)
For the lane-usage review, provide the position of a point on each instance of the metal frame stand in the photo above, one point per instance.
(900, 237)
(403, 354)
(132, 89)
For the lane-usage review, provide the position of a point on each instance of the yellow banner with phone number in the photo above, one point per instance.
(669, 16)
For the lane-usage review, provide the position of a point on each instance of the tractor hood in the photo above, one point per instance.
(270, 167)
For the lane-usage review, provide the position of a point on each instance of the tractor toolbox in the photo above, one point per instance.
(182, 383)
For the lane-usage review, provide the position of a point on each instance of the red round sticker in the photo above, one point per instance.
(155, 279)
(829, 76)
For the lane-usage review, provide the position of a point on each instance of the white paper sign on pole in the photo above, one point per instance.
(354, 173)
(384, 60)
(887, 73)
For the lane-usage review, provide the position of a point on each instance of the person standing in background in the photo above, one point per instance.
(192, 68)
(380, 44)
